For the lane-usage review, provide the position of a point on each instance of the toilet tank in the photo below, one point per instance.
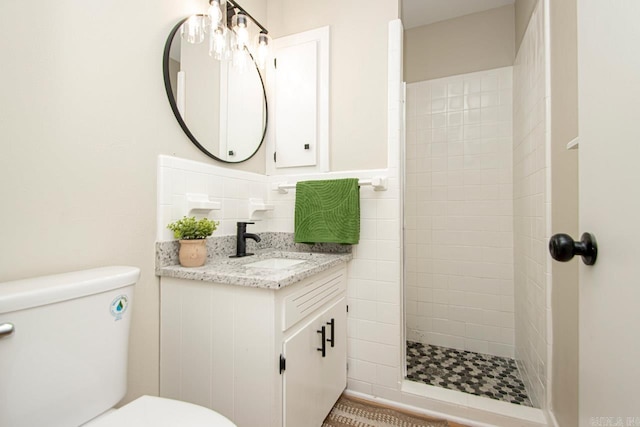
(66, 360)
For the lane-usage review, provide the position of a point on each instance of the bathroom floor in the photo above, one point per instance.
(475, 373)
(351, 411)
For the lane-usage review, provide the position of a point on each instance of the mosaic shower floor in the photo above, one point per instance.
(475, 373)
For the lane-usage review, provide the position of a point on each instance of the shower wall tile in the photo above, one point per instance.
(459, 212)
(530, 187)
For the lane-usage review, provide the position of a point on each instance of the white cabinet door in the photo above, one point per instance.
(298, 136)
(333, 379)
(312, 383)
(296, 115)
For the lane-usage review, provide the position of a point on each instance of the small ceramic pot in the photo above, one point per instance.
(193, 253)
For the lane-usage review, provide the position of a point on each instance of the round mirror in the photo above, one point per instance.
(222, 108)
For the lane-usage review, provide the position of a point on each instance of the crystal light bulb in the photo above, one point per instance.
(218, 42)
(193, 30)
(262, 43)
(243, 37)
(240, 24)
(214, 12)
(240, 60)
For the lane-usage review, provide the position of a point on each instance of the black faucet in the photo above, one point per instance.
(241, 239)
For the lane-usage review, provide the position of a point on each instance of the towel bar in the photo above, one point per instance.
(379, 183)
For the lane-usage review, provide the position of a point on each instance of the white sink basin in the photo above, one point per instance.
(275, 263)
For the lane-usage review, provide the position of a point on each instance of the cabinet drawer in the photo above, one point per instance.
(311, 296)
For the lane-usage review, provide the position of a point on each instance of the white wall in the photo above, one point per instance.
(459, 212)
(532, 201)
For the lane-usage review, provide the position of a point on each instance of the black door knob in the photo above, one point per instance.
(563, 248)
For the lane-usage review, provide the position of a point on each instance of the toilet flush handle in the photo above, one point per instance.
(6, 329)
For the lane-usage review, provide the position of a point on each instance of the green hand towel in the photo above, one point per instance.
(328, 211)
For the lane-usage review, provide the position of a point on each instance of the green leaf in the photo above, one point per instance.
(188, 228)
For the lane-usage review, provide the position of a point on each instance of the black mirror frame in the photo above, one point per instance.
(174, 107)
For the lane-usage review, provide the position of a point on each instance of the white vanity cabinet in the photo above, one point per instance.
(253, 354)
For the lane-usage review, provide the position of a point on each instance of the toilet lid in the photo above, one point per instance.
(149, 411)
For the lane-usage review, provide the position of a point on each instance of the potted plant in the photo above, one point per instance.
(192, 235)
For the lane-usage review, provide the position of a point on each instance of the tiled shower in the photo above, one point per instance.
(459, 233)
(459, 212)
(475, 226)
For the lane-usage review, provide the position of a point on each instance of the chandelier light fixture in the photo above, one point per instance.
(227, 26)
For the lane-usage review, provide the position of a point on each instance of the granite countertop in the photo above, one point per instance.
(233, 271)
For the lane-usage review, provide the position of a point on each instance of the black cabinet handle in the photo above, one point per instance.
(562, 248)
(323, 334)
(333, 327)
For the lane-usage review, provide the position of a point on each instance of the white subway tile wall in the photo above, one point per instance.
(459, 212)
(531, 205)
(178, 177)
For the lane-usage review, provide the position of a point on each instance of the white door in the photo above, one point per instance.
(609, 117)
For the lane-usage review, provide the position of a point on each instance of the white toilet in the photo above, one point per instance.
(63, 355)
